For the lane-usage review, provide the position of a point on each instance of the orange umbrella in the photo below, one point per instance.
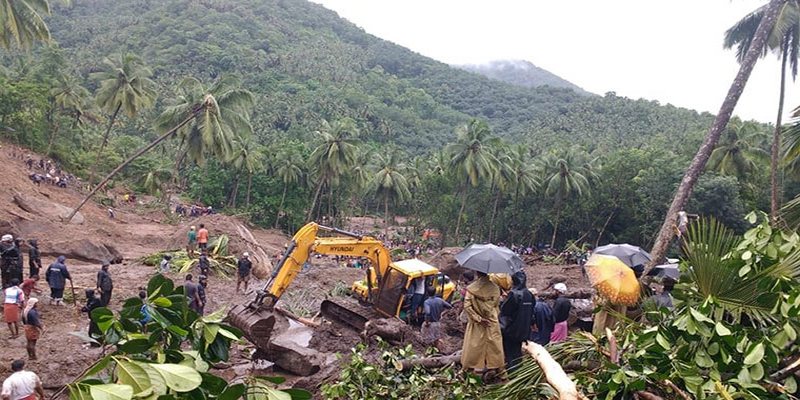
(613, 279)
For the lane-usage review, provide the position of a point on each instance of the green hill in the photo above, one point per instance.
(307, 64)
(521, 73)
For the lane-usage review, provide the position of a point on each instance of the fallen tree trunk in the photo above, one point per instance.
(432, 362)
(555, 376)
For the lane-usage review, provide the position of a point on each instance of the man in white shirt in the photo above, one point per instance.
(21, 385)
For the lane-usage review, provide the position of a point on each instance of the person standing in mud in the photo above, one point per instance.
(202, 237)
(93, 301)
(105, 284)
(14, 301)
(56, 276)
(20, 261)
(204, 264)
(483, 343)
(34, 328)
(192, 244)
(9, 260)
(202, 284)
(243, 267)
(192, 293)
(515, 319)
(34, 257)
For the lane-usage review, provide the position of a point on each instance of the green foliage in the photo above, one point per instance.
(385, 379)
(167, 357)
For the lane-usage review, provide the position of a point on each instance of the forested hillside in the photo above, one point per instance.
(323, 119)
(306, 64)
(521, 73)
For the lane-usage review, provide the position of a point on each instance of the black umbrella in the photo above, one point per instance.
(629, 254)
(490, 259)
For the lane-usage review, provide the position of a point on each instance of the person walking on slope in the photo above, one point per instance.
(202, 284)
(21, 385)
(192, 295)
(33, 326)
(483, 343)
(56, 276)
(34, 258)
(204, 264)
(515, 319)
(561, 310)
(243, 271)
(192, 237)
(105, 284)
(164, 266)
(28, 286)
(202, 237)
(14, 300)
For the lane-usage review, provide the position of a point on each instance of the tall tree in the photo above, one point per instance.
(21, 22)
(565, 175)
(389, 182)
(125, 86)
(502, 180)
(212, 134)
(289, 170)
(247, 157)
(209, 114)
(70, 97)
(698, 164)
(334, 156)
(471, 159)
(525, 177)
(784, 40)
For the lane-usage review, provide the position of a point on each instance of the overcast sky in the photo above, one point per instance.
(670, 51)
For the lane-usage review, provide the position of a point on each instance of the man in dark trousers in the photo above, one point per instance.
(243, 271)
(104, 284)
(56, 276)
(192, 294)
(9, 260)
(542, 320)
(204, 264)
(515, 319)
(34, 258)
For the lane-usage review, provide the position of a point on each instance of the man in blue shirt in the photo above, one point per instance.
(433, 308)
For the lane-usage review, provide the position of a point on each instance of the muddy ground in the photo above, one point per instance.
(146, 227)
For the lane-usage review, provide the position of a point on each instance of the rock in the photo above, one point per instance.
(83, 250)
(293, 358)
(46, 208)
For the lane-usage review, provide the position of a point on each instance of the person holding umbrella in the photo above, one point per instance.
(483, 341)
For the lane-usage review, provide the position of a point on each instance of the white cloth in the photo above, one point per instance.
(20, 385)
(419, 286)
(13, 295)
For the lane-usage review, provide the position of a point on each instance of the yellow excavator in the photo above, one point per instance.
(382, 293)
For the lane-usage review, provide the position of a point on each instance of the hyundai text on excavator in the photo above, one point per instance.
(381, 294)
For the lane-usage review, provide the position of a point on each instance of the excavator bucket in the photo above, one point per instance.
(256, 323)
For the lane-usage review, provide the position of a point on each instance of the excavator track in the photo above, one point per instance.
(349, 312)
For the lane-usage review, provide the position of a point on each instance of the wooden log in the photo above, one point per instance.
(302, 320)
(555, 376)
(432, 362)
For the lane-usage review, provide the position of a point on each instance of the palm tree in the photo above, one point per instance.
(71, 98)
(784, 40)
(125, 85)
(565, 176)
(289, 166)
(525, 176)
(333, 158)
(755, 50)
(735, 154)
(21, 22)
(246, 156)
(155, 179)
(211, 134)
(471, 159)
(208, 115)
(502, 179)
(389, 182)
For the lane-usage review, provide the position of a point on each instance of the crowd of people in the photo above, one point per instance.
(49, 172)
(193, 210)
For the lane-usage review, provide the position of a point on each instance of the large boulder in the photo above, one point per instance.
(46, 208)
(82, 250)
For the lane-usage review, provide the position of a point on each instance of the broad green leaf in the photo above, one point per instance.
(790, 331)
(747, 255)
(103, 317)
(299, 394)
(722, 330)
(135, 346)
(210, 333)
(134, 376)
(713, 349)
(156, 380)
(790, 384)
(179, 378)
(111, 392)
(233, 392)
(162, 302)
(755, 355)
(752, 217)
(702, 359)
(756, 372)
(79, 391)
(98, 366)
(228, 334)
(662, 341)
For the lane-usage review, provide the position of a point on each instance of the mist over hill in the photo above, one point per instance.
(521, 73)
